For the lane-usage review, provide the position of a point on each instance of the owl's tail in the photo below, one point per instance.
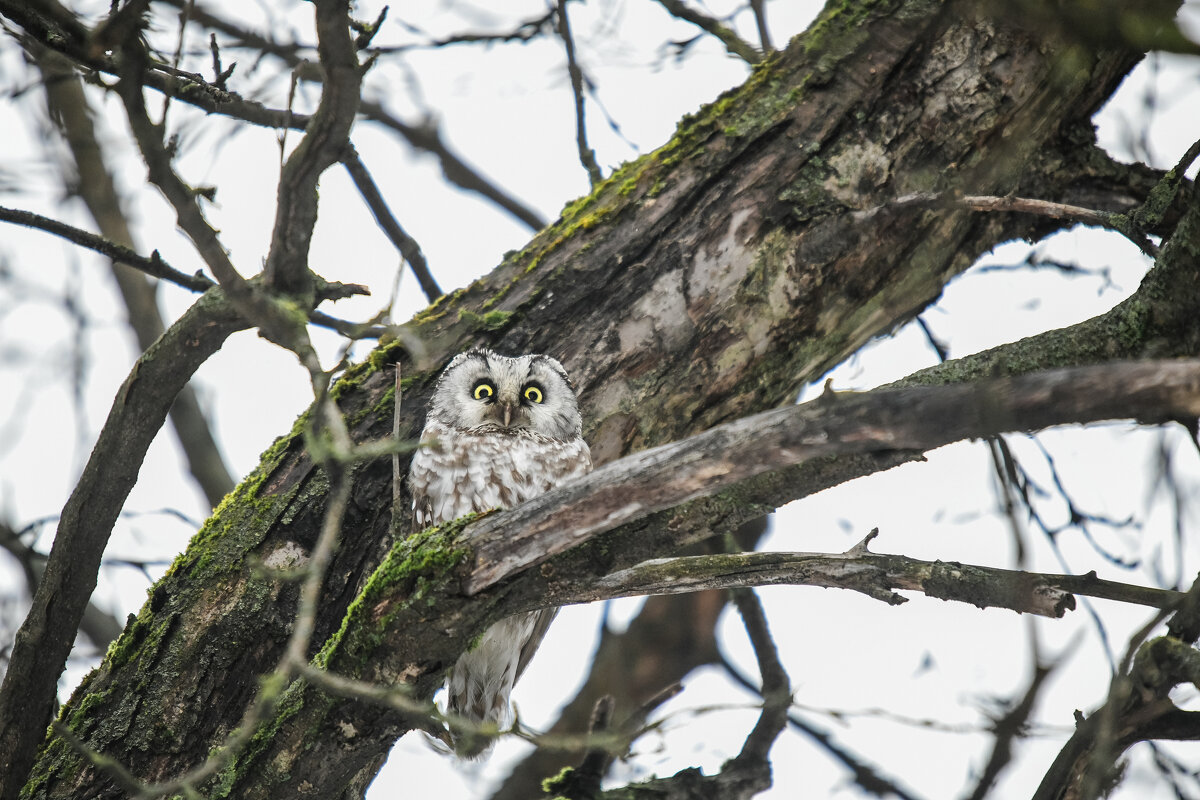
(480, 684)
(481, 712)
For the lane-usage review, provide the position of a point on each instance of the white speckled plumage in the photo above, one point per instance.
(495, 451)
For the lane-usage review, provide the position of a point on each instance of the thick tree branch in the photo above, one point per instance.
(42, 644)
(837, 424)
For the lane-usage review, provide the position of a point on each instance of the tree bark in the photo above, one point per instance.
(701, 283)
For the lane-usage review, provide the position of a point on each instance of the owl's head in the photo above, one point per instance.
(480, 388)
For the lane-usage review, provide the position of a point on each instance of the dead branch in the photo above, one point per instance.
(873, 574)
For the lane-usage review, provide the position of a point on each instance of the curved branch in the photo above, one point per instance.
(45, 637)
(72, 113)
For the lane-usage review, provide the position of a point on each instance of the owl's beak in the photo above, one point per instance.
(505, 412)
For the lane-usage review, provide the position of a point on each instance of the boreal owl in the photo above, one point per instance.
(499, 431)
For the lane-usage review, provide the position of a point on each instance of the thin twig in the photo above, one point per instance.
(865, 776)
(759, 7)
(154, 265)
(409, 249)
(587, 156)
(523, 32)
(397, 475)
(735, 44)
(1121, 223)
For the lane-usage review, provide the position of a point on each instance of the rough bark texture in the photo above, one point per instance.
(699, 284)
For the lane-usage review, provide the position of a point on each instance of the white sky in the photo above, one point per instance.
(509, 111)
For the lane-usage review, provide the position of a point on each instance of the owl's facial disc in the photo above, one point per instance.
(503, 405)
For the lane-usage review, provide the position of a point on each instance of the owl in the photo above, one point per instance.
(499, 431)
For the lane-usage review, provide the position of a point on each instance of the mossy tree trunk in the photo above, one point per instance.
(702, 283)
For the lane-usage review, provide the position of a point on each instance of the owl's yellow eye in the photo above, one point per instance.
(483, 390)
(533, 394)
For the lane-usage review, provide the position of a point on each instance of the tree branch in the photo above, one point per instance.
(587, 156)
(324, 143)
(873, 574)
(154, 265)
(409, 249)
(69, 108)
(735, 44)
(837, 424)
(1120, 223)
(44, 640)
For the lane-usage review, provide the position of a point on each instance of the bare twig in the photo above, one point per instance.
(1121, 223)
(735, 44)
(397, 475)
(587, 156)
(153, 265)
(409, 249)
(759, 7)
(523, 32)
(457, 171)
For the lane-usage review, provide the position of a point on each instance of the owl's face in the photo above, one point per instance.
(481, 389)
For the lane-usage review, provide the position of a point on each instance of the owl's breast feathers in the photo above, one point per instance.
(463, 472)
